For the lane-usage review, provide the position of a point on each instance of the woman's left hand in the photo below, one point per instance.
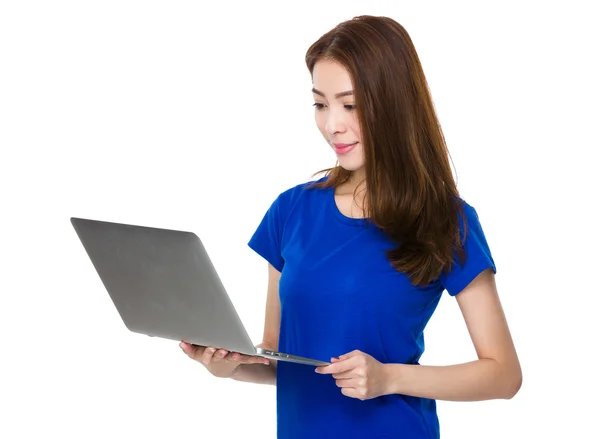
(358, 374)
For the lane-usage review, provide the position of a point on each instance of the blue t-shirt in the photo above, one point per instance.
(339, 293)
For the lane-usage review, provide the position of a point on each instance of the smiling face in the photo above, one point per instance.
(335, 114)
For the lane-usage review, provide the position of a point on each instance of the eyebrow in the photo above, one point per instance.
(338, 95)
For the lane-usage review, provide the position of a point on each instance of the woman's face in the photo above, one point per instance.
(335, 113)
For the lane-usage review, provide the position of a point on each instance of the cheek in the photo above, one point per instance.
(320, 120)
(356, 129)
(361, 152)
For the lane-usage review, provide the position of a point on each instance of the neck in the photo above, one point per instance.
(357, 180)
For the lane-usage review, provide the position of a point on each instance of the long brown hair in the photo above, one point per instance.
(411, 193)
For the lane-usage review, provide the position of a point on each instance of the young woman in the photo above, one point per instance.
(359, 259)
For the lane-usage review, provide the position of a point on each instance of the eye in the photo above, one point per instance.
(319, 106)
(350, 107)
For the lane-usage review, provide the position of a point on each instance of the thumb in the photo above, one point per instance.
(348, 355)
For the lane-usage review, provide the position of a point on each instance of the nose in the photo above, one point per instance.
(335, 122)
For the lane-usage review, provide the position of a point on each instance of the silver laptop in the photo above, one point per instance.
(163, 284)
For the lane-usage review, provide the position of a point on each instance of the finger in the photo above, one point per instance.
(191, 350)
(260, 360)
(221, 354)
(248, 359)
(352, 392)
(348, 382)
(185, 347)
(337, 367)
(207, 356)
(345, 375)
(218, 354)
(256, 360)
(348, 355)
(234, 357)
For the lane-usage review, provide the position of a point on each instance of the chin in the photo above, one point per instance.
(349, 166)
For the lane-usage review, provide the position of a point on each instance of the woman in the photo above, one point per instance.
(359, 259)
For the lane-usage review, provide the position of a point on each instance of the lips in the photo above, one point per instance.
(343, 148)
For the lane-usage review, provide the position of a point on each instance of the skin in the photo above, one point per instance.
(224, 364)
(496, 374)
(336, 119)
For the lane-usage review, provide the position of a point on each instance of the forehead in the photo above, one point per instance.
(331, 77)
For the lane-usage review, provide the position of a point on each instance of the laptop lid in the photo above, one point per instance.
(163, 284)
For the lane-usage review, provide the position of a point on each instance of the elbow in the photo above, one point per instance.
(512, 383)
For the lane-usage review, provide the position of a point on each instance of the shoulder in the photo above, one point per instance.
(295, 194)
(477, 252)
(469, 209)
(468, 215)
(466, 207)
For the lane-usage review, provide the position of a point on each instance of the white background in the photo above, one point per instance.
(193, 116)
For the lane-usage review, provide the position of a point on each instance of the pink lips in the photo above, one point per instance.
(343, 148)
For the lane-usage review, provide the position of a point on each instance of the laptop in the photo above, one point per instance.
(163, 284)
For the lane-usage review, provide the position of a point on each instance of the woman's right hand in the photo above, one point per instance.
(219, 362)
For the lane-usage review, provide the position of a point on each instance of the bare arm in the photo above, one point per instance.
(495, 374)
(260, 373)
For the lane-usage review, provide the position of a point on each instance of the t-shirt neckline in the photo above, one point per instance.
(339, 215)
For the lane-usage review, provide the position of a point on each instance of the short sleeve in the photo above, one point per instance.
(266, 240)
(478, 256)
